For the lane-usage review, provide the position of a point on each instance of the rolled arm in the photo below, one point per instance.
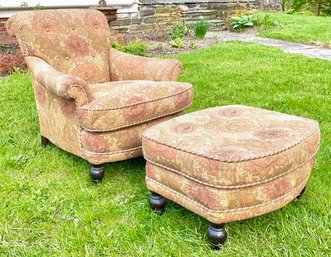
(61, 84)
(130, 67)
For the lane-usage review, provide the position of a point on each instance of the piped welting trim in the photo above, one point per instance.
(138, 122)
(235, 161)
(236, 186)
(229, 210)
(115, 152)
(142, 102)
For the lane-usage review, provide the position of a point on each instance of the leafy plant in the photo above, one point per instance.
(178, 31)
(265, 22)
(36, 7)
(177, 42)
(241, 22)
(192, 44)
(200, 27)
(137, 47)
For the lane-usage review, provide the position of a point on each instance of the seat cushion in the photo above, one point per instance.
(122, 104)
(232, 146)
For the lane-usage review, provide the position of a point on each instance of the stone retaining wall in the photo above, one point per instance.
(162, 14)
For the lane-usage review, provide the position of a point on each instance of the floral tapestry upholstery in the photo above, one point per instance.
(116, 145)
(128, 67)
(72, 41)
(231, 163)
(80, 108)
(126, 103)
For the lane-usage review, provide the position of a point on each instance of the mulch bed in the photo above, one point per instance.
(158, 42)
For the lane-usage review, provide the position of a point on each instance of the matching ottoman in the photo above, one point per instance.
(229, 163)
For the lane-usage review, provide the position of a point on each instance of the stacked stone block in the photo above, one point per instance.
(162, 14)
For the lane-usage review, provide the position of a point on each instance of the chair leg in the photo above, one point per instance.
(97, 173)
(217, 235)
(44, 141)
(157, 203)
(301, 193)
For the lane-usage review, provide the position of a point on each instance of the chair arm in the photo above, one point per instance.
(130, 67)
(61, 84)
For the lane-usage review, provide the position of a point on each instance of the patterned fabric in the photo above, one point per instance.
(232, 162)
(68, 54)
(72, 41)
(57, 118)
(129, 67)
(116, 145)
(61, 84)
(126, 103)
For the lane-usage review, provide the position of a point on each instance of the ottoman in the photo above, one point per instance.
(229, 163)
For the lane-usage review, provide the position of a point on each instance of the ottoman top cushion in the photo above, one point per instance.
(232, 145)
(233, 133)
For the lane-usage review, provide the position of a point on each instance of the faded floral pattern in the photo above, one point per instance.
(80, 109)
(125, 103)
(47, 26)
(60, 38)
(87, 70)
(226, 174)
(77, 45)
(128, 67)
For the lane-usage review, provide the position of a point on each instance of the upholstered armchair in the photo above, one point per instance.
(94, 101)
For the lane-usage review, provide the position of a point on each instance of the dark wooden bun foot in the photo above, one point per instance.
(301, 193)
(97, 173)
(217, 235)
(157, 202)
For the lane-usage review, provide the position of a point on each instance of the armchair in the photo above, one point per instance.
(94, 101)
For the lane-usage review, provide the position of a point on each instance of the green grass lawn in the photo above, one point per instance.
(307, 29)
(49, 206)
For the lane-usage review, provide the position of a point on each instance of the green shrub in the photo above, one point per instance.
(242, 22)
(318, 7)
(177, 42)
(178, 31)
(200, 27)
(136, 47)
(265, 22)
(10, 63)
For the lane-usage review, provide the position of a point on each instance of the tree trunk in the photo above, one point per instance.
(319, 7)
(283, 5)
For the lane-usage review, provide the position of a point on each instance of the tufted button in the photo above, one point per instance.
(73, 29)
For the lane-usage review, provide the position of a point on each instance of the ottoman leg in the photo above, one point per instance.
(44, 141)
(156, 202)
(217, 235)
(301, 193)
(96, 173)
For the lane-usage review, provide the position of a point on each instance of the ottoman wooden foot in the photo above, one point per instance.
(157, 202)
(217, 235)
(44, 141)
(301, 193)
(96, 173)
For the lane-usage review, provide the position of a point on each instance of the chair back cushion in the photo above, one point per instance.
(73, 41)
